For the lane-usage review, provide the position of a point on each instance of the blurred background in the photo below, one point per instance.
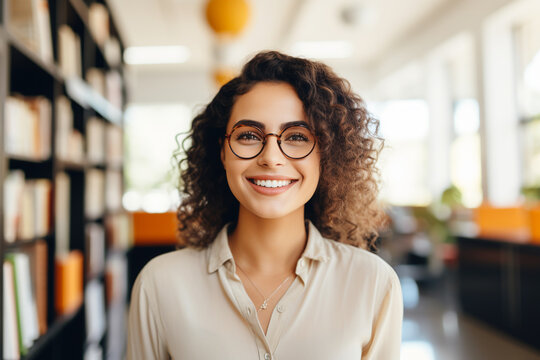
(455, 84)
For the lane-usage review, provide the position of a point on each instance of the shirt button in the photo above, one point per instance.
(302, 263)
(267, 356)
(249, 310)
(281, 308)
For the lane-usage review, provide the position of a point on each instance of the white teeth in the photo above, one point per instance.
(272, 183)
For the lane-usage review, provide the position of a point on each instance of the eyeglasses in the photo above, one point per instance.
(247, 142)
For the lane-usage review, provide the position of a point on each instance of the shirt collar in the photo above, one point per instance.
(219, 252)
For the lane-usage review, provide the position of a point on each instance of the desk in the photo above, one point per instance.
(499, 283)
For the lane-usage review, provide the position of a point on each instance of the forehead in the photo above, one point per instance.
(269, 103)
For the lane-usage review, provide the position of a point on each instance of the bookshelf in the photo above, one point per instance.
(64, 234)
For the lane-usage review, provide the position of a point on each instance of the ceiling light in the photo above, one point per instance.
(323, 49)
(139, 55)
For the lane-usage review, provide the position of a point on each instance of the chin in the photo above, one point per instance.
(270, 213)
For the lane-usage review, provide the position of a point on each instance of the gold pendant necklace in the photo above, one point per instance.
(264, 304)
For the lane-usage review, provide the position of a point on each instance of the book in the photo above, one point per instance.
(94, 193)
(69, 142)
(95, 352)
(27, 320)
(27, 207)
(69, 52)
(98, 20)
(27, 127)
(96, 79)
(95, 249)
(113, 188)
(13, 190)
(26, 218)
(94, 300)
(42, 206)
(116, 335)
(113, 88)
(113, 51)
(95, 140)
(37, 255)
(116, 279)
(42, 25)
(114, 145)
(9, 315)
(30, 22)
(68, 282)
(62, 191)
(119, 231)
(116, 289)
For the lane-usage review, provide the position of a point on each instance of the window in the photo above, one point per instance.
(152, 136)
(403, 162)
(465, 153)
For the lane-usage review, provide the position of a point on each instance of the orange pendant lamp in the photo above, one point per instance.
(227, 17)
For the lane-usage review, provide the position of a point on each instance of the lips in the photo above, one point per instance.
(271, 185)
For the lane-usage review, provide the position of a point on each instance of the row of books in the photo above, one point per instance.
(25, 298)
(108, 84)
(30, 21)
(103, 191)
(27, 207)
(28, 127)
(28, 133)
(99, 23)
(104, 141)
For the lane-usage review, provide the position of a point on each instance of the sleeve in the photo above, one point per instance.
(145, 332)
(385, 342)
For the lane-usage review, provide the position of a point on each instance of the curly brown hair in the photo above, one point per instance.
(344, 206)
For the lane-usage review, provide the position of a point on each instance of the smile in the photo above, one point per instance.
(271, 183)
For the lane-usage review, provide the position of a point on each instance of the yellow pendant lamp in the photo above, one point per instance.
(223, 76)
(227, 17)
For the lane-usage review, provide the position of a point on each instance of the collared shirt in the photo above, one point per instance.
(345, 303)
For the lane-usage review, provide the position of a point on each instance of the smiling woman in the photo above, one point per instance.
(278, 212)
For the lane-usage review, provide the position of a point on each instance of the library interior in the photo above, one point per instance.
(98, 96)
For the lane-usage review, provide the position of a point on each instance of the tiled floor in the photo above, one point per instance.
(434, 329)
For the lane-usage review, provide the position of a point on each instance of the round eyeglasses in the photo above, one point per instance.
(247, 142)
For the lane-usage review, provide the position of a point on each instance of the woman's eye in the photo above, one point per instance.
(296, 137)
(248, 136)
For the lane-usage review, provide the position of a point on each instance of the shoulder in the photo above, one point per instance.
(355, 260)
(178, 263)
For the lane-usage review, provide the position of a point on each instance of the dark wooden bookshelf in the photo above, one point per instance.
(44, 341)
(20, 243)
(24, 73)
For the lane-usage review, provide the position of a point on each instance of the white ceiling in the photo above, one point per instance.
(275, 24)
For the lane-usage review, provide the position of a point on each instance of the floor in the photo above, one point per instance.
(435, 329)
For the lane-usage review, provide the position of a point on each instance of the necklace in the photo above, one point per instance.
(264, 304)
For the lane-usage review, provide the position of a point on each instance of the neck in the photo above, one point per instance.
(268, 246)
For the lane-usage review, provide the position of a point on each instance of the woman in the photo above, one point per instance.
(280, 205)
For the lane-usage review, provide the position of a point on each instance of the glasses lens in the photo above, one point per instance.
(246, 141)
(297, 141)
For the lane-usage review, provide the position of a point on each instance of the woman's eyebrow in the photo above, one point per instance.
(261, 126)
(248, 122)
(293, 123)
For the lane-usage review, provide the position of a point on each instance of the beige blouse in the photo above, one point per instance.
(345, 303)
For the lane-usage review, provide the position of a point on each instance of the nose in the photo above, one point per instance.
(271, 154)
